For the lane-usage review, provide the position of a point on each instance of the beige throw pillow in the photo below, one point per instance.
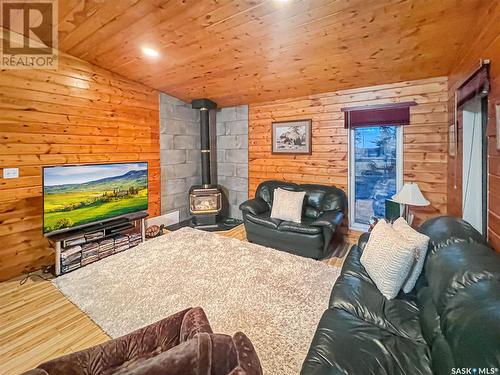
(388, 259)
(420, 243)
(287, 205)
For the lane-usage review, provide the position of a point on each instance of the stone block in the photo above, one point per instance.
(186, 170)
(222, 181)
(237, 127)
(166, 111)
(226, 114)
(171, 126)
(221, 156)
(166, 142)
(242, 142)
(227, 142)
(167, 172)
(193, 156)
(242, 112)
(231, 197)
(241, 197)
(192, 128)
(168, 157)
(226, 169)
(242, 170)
(186, 142)
(235, 212)
(180, 200)
(184, 213)
(186, 113)
(167, 203)
(193, 180)
(237, 156)
(168, 99)
(174, 186)
(221, 128)
(236, 183)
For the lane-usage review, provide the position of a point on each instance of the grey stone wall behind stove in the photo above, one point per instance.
(179, 154)
(232, 155)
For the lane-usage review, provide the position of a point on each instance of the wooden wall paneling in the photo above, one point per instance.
(425, 138)
(483, 42)
(79, 113)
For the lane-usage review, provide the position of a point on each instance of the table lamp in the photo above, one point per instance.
(410, 195)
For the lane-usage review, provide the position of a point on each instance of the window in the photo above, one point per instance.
(375, 171)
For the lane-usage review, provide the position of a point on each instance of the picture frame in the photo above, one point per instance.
(292, 137)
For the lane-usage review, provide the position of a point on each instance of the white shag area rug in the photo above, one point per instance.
(275, 298)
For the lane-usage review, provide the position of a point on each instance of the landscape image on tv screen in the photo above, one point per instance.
(83, 194)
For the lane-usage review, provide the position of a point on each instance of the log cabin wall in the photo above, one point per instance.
(484, 43)
(425, 139)
(77, 114)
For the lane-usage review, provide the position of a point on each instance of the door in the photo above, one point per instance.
(474, 170)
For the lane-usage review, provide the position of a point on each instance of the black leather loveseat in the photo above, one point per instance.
(449, 324)
(323, 212)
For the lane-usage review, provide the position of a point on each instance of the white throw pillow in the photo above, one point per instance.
(388, 259)
(287, 205)
(421, 243)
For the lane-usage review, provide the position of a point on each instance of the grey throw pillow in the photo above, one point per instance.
(421, 243)
(287, 205)
(388, 259)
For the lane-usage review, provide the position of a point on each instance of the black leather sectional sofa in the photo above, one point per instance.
(323, 212)
(449, 324)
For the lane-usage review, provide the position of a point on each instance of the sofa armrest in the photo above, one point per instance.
(36, 371)
(330, 219)
(363, 240)
(255, 206)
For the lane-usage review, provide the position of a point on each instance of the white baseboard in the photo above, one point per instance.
(166, 219)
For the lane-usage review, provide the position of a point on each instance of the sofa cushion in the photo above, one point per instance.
(388, 259)
(264, 219)
(266, 189)
(287, 205)
(421, 242)
(304, 227)
(356, 293)
(345, 344)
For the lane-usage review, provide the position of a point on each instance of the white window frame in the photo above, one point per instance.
(351, 183)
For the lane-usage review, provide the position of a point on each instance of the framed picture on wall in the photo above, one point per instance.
(292, 137)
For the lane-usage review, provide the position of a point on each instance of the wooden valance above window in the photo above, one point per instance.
(476, 84)
(395, 114)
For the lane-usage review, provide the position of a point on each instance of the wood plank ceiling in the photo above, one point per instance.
(235, 51)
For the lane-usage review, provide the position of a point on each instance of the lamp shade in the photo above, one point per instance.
(411, 195)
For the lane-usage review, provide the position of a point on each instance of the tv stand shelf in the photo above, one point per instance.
(77, 248)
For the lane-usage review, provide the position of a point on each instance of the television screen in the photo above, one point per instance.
(79, 195)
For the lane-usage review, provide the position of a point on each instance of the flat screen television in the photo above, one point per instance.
(75, 196)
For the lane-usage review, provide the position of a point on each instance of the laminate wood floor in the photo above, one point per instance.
(38, 323)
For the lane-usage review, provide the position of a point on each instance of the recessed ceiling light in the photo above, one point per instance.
(150, 52)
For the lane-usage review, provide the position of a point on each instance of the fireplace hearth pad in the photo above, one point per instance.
(225, 223)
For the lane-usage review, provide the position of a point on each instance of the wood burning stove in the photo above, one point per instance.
(205, 200)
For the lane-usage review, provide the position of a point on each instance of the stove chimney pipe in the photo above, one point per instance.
(204, 105)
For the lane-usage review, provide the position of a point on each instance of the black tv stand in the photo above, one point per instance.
(130, 227)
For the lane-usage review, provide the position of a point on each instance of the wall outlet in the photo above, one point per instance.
(11, 173)
(167, 219)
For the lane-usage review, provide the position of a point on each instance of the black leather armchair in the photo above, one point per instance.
(323, 212)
